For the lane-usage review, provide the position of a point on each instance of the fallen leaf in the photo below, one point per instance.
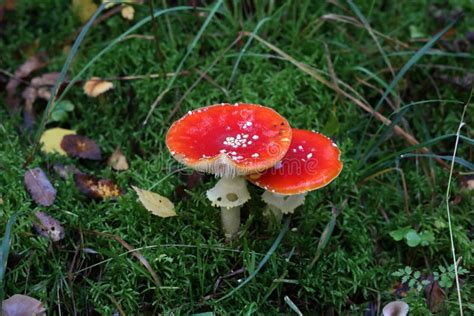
(128, 12)
(84, 9)
(117, 160)
(51, 140)
(434, 296)
(39, 187)
(29, 114)
(96, 188)
(40, 87)
(81, 146)
(96, 86)
(65, 171)
(48, 79)
(29, 94)
(48, 227)
(32, 64)
(22, 305)
(44, 93)
(156, 204)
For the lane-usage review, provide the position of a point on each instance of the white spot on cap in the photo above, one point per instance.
(255, 155)
(255, 137)
(309, 156)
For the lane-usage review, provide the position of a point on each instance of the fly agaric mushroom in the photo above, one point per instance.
(312, 162)
(230, 141)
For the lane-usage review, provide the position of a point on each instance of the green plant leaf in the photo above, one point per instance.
(427, 238)
(413, 239)
(408, 270)
(399, 234)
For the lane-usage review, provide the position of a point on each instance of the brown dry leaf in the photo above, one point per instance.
(51, 140)
(29, 114)
(22, 305)
(84, 9)
(117, 160)
(96, 86)
(434, 296)
(32, 64)
(48, 79)
(44, 93)
(39, 187)
(96, 188)
(156, 204)
(81, 146)
(128, 12)
(48, 227)
(29, 94)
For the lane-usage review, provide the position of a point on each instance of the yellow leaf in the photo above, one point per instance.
(128, 12)
(51, 140)
(84, 9)
(156, 204)
(96, 86)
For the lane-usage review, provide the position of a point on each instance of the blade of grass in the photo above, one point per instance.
(270, 252)
(201, 76)
(181, 64)
(413, 60)
(399, 115)
(292, 305)
(316, 74)
(62, 75)
(457, 160)
(326, 234)
(425, 144)
(366, 24)
(5, 252)
(448, 211)
(243, 51)
(117, 40)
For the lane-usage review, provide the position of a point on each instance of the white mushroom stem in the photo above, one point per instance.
(230, 218)
(282, 204)
(229, 193)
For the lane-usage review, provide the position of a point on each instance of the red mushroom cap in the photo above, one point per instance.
(230, 139)
(311, 163)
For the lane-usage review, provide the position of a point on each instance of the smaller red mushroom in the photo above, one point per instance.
(230, 140)
(312, 162)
